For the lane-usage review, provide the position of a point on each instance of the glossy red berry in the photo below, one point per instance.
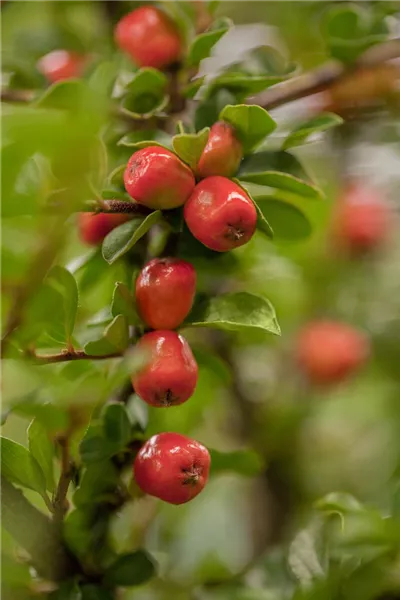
(362, 219)
(172, 467)
(149, 37)
(220, 214)
(329, 351)
(61, 64)
(157, 178)
(93, 227)
(222, 153)
(170, 376)
(165, 291)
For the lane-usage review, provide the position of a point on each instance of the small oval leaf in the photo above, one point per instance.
(121, 239)
(130, 569)
(252, 123)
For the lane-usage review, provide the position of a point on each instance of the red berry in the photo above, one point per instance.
(165, 291)
(328, 351)
(61, 64)
(362, 220)
(149, 37)
(220, 214)
(157, 178)
(170, 378)
(93, 227)
(172, 467)
(222, 153)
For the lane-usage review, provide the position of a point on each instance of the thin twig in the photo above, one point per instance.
(68, 355)
(323, 77)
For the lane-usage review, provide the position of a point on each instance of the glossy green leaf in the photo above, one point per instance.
(145, 94)
(252, 123)
(95, 447)
(234, 312)
(123, 303)
(131, 569)
(243, 462)
(288, 222)
(42, 449)
(115, 338)
(121, 239)
(201, 46)
(318, 124)
(19, 466)
(116, 177)
(64, 282)
(103, 78)
(189, 146)
(116, 424)
(143, 139)
(283, 181)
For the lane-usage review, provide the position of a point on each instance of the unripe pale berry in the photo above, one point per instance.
(93, 227)
(220, 214)
(222, 153)
(149, 37)
(61, 64)
(172, 467)
(170, 376)
(329, 351)
(362, 219)
(165, 291)
(157, 178)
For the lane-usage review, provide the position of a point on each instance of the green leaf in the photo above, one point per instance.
(262, 223)
(252, 123)
(130, 569)
(121, 239)
(68, 590)
(116, 177)
(243, 462)
(115, 338)
(319, 123)
(64, 282)
(339, 502)
(103, 78)
(201, 46)
(283, 181)
(234, 312)
(42, 449)
(73, 95)
(19, 466)
(143, 139)
(145, 94)
(189, 146)
(123, 303)
(287, 220)
(243, 85)
(94, 447)
(95, 592)
(116, 424)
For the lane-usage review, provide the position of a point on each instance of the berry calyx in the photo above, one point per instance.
(329, 351)
(61, 64)
(172, 467)
(93, 227)
(157, 178)
(220, 214)
(165, 290)
(222, 153)
(361, 221)
(149, 37)
(170, 376)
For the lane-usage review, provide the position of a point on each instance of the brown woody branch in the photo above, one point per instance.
(323, 77)
(68, 355)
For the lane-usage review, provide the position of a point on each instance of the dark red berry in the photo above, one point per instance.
(222, 153)
(165, 291)
(170, 376)
(220, 214)
(149, 37)
(93, 227)
(157, 178)
(172, 467)
(329, 351)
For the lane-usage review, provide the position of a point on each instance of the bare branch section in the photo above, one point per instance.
(34, 532)
(322, 78)
(117, 206)
(68, 355)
